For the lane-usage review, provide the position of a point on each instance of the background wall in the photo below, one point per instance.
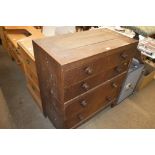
(57, 30)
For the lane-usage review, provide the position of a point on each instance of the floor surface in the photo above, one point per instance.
(20, 110)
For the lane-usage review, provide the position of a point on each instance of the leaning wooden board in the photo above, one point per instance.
(80, 74)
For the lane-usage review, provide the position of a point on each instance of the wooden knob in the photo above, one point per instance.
(85, 86)
(33, 88)
(83, 103)
(108, 98)
(89, 70)
(124, 56)
(118, 69)
(80, 116)
(51, 91)
(125, 63)
(114, 85)
(18, 62)
(27, 61)
(16, 51)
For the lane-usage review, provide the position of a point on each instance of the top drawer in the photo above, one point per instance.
(117, 58)
(92, 68)
(28, 61)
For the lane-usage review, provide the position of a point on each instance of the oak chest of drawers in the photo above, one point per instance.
(30, 72)
(82, 73)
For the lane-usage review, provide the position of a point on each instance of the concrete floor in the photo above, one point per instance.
(22, 107)
(20, 110)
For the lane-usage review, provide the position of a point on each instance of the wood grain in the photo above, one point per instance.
(80, 74)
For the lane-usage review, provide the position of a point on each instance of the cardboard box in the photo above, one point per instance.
(147, 76)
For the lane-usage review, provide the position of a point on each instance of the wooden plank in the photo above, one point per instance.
(70, 48)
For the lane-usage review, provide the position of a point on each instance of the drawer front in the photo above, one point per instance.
(10, 48)
(91, 82)
(82, 116)
(97, 98)
(34, 92)
(11, 52)
(19, 54)
(32, 76)
(14, 52)
(85, 71)
(121, 57)
(29, 63)
(96, 66)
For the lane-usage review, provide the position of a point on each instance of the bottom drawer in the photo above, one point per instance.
(12, 52)
(15, 55)
(32, 75)
(83, 116)
(85, 105)
(35, 93)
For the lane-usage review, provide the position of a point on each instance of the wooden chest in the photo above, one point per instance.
(17, 40)
(80, 74)
(26, 49)
(11, 35)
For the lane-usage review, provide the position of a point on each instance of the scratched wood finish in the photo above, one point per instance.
(106, 91)
(78, 88)
(80, 74)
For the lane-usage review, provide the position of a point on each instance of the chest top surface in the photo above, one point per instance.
(69, 48)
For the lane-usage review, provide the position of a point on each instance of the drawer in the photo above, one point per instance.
(85, 71)
(120, 57)
(82, 116)
(95, 99)
(33, 76)
(10, 51)
(9, 44)
(19, 54)
(94, 67)
(18, 58)
(29, 63)
(14, 54)
(92, 82)
(34, 92)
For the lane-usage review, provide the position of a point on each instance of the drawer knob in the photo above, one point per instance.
(85, 86)
(125, 64)
(108, 98)
(124, 56)
(33, 88)
(89, 70)
(80, 116)
(114, 85)
(83, 103)
(17, 51)
(27, 61)
(118, 69)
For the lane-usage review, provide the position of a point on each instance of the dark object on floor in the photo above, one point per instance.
(84, 28)
(82, 73)
(0, 42)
